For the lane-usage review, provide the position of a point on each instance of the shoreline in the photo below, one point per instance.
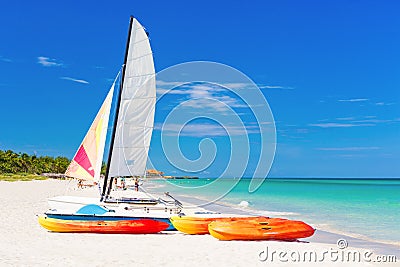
(24, 242)
(320, 226)
(322, 234)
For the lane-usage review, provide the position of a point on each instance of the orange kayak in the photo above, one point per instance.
(140, 226)
(199, 225)
(269, 229)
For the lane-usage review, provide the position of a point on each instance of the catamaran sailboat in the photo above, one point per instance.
(129, 145)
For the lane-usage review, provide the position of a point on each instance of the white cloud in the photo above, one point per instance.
(204, 96)
(352, 122)
(349, 156)
(163, 83)
(236, 85)
(355, 148)
(354, 100)
(383, 104)
(345, 119)
(216, 86)
(205, 130)
(205, 103)
(74, 80)
(48, 62)
(275, 87)
(5, 59)
(251, 85)
(372, 121)
(161, 91)
(340, 125)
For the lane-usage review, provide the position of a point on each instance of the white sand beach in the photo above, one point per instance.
(24, 243)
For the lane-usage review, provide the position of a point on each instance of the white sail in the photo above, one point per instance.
(136, 112)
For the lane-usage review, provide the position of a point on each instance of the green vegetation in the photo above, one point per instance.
(103, 168)
(21, 166)
(10, 177)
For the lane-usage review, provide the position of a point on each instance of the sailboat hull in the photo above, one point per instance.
(94, 218)
(138, 226)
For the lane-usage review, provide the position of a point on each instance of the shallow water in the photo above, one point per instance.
(365, 208)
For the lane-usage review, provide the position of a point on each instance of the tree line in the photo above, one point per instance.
(11, 162)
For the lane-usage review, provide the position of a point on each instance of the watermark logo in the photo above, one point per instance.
(340, 254)
(342, 243)
(212, 120)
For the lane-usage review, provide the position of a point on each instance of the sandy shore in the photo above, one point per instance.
(24, 243)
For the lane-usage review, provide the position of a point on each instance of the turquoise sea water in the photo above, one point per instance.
(369, 208)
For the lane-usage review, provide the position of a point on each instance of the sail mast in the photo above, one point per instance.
(107, 185)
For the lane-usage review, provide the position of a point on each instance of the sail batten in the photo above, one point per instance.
(136, 58)
(144, 75)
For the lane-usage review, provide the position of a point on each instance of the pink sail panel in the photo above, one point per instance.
(82, 159)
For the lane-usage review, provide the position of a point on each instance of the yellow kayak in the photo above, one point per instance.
(199, 225)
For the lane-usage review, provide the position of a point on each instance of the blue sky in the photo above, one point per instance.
(330, 72)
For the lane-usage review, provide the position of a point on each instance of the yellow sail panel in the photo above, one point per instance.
(76, 171)
(86, 164)
(99, 130)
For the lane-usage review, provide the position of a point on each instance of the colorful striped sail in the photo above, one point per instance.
(134, 124)
(86, 164)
